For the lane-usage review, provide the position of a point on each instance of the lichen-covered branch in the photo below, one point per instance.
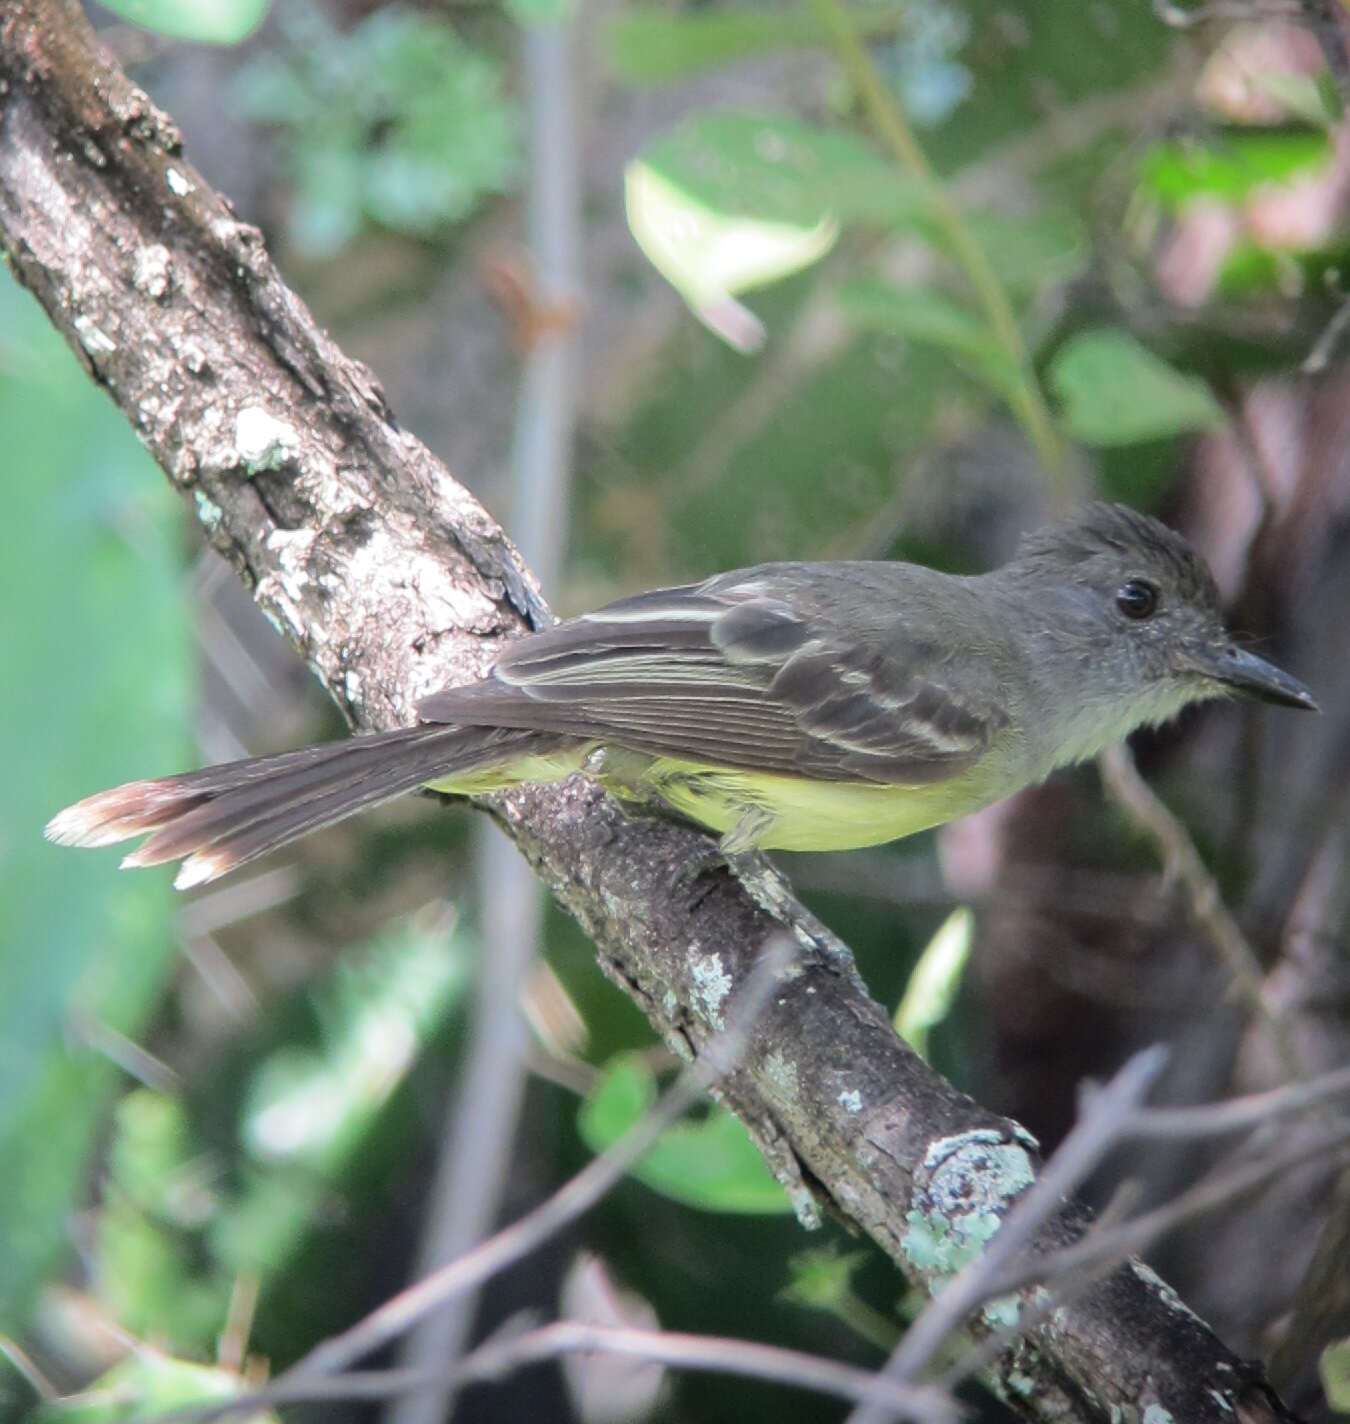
(391, 580)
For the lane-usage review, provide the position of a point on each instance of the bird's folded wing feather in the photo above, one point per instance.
(755, 675)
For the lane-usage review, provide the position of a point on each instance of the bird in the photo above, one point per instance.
(794, 706)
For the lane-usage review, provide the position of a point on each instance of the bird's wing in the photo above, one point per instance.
(758, 672)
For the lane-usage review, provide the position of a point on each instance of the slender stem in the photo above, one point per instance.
(476, 1148)
(1025, 398)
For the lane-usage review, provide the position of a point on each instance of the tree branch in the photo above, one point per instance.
(392, 581)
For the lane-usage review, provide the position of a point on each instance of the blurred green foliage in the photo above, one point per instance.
(397, 121)
(1229, 166)
(710, 1164)
(223, 22)
(1115, 391)
(84, 955)
(145, 1384)
(308, 1137)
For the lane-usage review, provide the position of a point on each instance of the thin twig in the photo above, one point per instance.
(571, 1200)
(1212, 916)
(1105, 1248)
(26, 1366)
(1025, 398)
(477, 1143)
(1237, 1114)
(499, 1356)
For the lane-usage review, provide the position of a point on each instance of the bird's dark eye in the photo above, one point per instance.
(1137, 598)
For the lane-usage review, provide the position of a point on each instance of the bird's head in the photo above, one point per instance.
(1135, 600)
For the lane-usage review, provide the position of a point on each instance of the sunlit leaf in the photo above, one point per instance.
(727, 202)
(935, 980)
(1114, 391)
(708, 257)
(1334, 1369)
(711, 1164)
(223, 22)
(148, 1383)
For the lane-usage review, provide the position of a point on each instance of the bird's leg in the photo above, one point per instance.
(766, 885)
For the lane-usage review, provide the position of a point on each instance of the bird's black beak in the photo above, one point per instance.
(1250, 676)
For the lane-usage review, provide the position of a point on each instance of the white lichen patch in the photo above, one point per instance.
(1156, 1414)
(975, 1177)
(1002, 1313)
(208, 511)
(262, 441)
(850, 1100)
(150, 270)
(352, 687)
(93, 338)
(285, 589)
(179, 183)
(943, 1147)
(712, 984)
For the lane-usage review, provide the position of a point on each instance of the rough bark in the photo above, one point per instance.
(391, 581)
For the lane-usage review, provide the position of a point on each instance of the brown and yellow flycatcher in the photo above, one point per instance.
(802, 706)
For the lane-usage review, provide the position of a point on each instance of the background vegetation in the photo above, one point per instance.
(999, 256)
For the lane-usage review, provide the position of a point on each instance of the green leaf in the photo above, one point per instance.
(99, 672)
(935, 980)
(1032, 251)
(728, 201)
(779, 170)
(1114, 391)
(927, 315)
(1334, 1368)
(148, 1383)
(223, 22)
(1177, 172)
(711, 1165)
(708, 257)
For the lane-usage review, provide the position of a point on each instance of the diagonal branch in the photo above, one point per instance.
(391, 580)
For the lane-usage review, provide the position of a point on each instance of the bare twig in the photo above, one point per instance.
(1237, 1114)
(1223, 1185)
(565, 1205)
(506, 1353)
(1319, 358)
(1212, 916)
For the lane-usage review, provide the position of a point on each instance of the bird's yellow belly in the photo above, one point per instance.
(809, 815)
(780, 812)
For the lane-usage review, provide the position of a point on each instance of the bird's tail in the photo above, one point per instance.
(222, 816)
